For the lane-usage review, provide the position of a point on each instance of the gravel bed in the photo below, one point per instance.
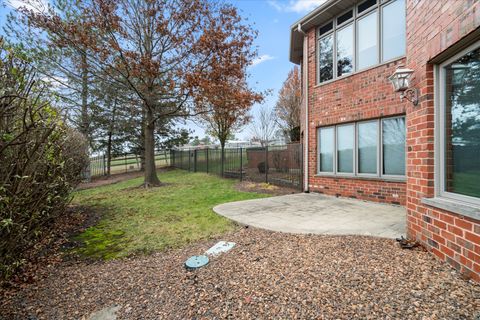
(266, 276)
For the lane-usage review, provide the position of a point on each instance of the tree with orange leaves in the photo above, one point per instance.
(221, 93)
(288, 105)
(151, 48)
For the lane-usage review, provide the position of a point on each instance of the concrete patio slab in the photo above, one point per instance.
(318, 214)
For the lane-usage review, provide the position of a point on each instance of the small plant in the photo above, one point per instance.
(262, 168)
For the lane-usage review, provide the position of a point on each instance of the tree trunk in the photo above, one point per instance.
(151, 178)
(85, 124)
(222, 147)
(109, 152)
(142, 143)
(111, 127)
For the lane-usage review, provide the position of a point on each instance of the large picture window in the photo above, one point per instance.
(367, 41)
(326, 140)
(368, 148)
(345, 145)
(365, 35)
(393, 30)
(459, 126)
(393, 146)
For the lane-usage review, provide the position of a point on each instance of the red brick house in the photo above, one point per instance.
(362, 140)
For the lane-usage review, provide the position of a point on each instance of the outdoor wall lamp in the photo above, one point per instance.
(400, 80)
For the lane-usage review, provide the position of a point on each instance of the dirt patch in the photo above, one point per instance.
(103, 181)
(267, 275)
(266, 188)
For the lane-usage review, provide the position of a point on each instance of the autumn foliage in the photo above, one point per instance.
(221, 94)
(288, 105)
(174, 56)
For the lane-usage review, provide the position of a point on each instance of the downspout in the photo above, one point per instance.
(305, 136)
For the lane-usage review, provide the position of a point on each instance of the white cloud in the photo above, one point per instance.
(35, 5)
(261, 59)
(298, 6)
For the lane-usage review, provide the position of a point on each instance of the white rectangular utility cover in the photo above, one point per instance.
(220, 247)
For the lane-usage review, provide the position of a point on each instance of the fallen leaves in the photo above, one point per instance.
(267, 275)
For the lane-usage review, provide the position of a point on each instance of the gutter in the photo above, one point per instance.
(305, 136)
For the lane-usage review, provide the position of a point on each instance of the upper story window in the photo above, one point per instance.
(370, 33)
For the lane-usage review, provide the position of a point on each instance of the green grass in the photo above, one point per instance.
(136, 220)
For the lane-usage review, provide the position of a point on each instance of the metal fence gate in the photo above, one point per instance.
(278, 165)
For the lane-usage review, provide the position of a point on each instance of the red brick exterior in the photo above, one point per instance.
(432, 27)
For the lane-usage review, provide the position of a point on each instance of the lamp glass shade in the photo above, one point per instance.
(400, 79)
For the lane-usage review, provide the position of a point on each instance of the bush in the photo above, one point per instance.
(42, 160)
(262, 168)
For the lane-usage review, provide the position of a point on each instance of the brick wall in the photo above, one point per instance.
(361, 96)
(433, 27)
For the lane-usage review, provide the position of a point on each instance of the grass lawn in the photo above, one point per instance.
(136, 220)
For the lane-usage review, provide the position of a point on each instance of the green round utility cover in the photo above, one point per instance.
(196, 262)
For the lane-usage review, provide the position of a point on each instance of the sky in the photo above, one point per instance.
(272, 19)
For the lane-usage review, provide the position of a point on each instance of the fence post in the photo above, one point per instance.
(126, 166)
(195, 160)
(241, 164)
(266, 164)
(207, 159)
(104, 166)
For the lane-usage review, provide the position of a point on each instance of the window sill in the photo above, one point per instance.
(375, 178)
(458, 207)
(357, 72)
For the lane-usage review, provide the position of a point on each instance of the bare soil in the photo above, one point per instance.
(267, 275)
(266, 188)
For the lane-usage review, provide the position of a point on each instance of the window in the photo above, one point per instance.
(345, 145)
(326, 58)
(345, 51)
(367, 41)
(365, 5)
(369, 33)
(326, 28)
(326, 145)
(459, 127)
(345, 17)
(368, 148)
(393, 146)
(393, 30)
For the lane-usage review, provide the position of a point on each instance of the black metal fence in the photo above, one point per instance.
(278, 165)
(123, 163)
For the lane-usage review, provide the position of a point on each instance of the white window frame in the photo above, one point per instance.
(354, 20)
(356, 174)
(440, 132)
